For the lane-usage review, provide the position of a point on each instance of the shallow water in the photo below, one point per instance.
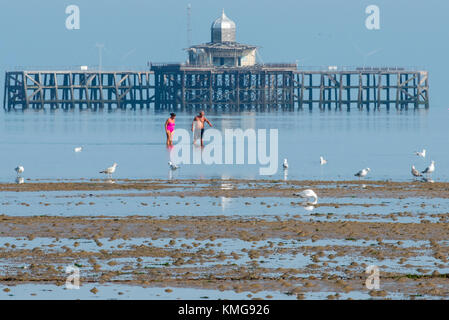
(117, 291)
(43, 143)
(385, 142)
(121, 203)
(109, 292)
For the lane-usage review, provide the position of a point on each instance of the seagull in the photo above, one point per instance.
(19, 170)
(322, 161)
(78, 149)
(421, 153)
(415, 172)
(20, 180)
(285, 164)
(109, 171)
(308, 194)
(430, 168)
(362, 173)
(173, 166)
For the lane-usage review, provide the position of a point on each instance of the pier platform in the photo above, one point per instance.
(182, 87)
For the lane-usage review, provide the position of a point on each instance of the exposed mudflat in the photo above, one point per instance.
(251, 188)
(235, 238)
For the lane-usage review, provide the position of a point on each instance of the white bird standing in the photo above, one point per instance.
(285, 164)
(308, 194)
(19, 170)
(421, 153)
(362, 173)
(430, 169)
(415, 172)
(173, 166)
(109, 171)
(78, 149)
(322, 161)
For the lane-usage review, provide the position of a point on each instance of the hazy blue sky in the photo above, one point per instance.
(316, 32)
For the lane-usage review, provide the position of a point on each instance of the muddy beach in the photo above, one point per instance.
(269, 247)
(234, 187)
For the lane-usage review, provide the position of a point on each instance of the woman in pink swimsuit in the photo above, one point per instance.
(169, 128)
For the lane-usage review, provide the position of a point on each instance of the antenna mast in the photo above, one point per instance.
(189, 27)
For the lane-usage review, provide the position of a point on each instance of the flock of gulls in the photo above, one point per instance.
(308, 194)
(364, 172)
(427, 171)
(108, 171)
(312, 198)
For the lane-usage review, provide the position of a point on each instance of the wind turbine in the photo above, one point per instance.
(366, 54)
(130, 52)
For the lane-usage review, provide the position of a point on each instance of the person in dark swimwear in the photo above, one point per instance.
(198, 127)
(169, 128)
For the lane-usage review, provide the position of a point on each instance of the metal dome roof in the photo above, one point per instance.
(223, 29)
(223, 22)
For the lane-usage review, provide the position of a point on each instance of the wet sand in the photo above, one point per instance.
(251, 188)
(289, 255)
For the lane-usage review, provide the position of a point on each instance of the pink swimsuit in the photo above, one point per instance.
(170, 126)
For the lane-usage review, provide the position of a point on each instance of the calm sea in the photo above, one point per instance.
(43, 143)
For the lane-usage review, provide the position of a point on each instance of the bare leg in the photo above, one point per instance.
(171, 138)
(168, 138)
(195, 135)
(201, 133)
